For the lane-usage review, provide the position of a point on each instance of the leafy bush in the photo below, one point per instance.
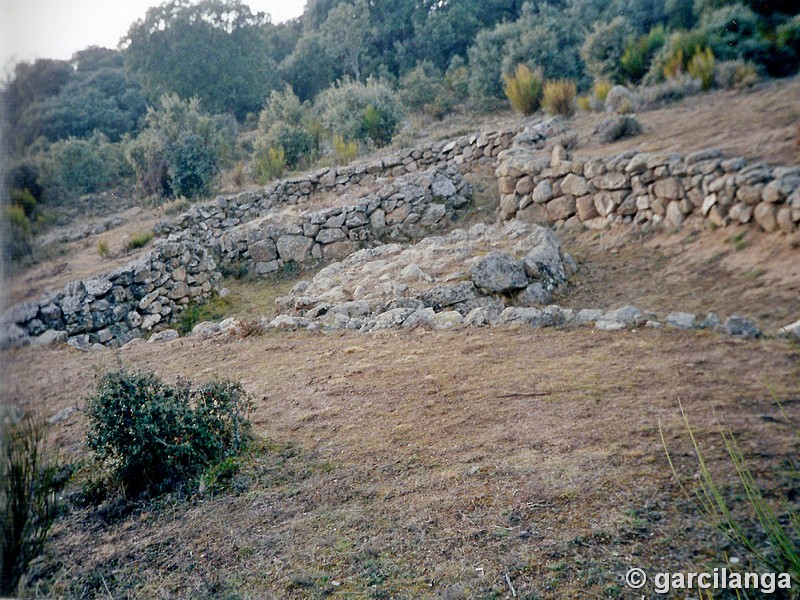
(424, 90)
(524, 89)
(269, 163)
(369, 113)
(733, 32)
(153, 435)
(16, 228)
(27, 494)
(295, 141)
(181, 149)
(559, 97)
(600, 90)
(701, 67)
(735, 74)
(215, 309)
(73, 167)
(674, 67)
(140, 239)
(604, 48)
(344, 151)
(584, 103)
(281, 106)
(639, 53)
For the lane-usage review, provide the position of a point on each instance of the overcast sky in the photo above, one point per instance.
(32, 29)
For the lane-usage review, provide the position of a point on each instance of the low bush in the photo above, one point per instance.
(28, 501)
(344, 151)
(295, 141)
(139, 239)
(667, 92)
(639, 53)
(423, 90)
(735, 74)
(559, 97)
(102, 249)
(701, 67)
(366, 112)
(524, 89)
(617, 128)
(268, 163)
(605, 47)
(153, 435)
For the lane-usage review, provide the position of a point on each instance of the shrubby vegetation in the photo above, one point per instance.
(189, 76)
(28, 502)
(152, 435)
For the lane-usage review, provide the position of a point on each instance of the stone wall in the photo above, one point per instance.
(463, 153)
(638, 187)
(403, 208)
(117, 307)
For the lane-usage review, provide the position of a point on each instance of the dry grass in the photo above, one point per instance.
(408, 464)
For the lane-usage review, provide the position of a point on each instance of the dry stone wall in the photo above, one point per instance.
(642, 188)
(463, 154)
(117, 307)
(404, 208)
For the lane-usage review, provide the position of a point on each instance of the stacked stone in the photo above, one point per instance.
(638, 187)
(408, 207)
(117, 307)
(229, 211)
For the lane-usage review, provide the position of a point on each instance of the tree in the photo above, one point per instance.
(310, 68)
(180, 150)
(604, 47)
(214, 50)
(346, 33)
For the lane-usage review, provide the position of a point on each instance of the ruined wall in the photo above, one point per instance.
(119, 306)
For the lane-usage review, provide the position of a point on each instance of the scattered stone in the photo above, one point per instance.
(681, 320)
(203, 329)
(164, 336)
(740, 327)
(791, 331)
(499, 272)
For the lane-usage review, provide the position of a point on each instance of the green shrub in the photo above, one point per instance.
(139, 239)
(701, 67)
(269, 163)
(424, 90)
(73, 167)
(559, 97)
(674, 67)
(282, 106)
(153, 435)
(584, 103)
(639, 53)
(24, 199)
(297, 143)
(344, 151)
(600, 90)
(27, 494)
(524, 89)
(181, 149)
(732, 32)
(604, 48)
(366, 112)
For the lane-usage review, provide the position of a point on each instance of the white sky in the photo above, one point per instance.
(31, 29)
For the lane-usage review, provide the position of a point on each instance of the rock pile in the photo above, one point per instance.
(116, 307)
(446, 280)
(638, 187)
